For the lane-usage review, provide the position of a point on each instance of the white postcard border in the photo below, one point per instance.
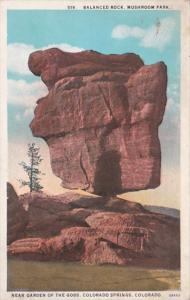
(184, 7)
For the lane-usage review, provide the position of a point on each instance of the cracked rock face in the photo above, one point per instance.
(100, 119)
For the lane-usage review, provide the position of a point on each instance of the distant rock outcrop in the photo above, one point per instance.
(173, 212)
(100, 119)
(17, 217)
(97, 231)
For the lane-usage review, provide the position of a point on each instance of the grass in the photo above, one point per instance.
(61, 276)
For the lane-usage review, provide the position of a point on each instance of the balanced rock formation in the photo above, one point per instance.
(17, 217)
(100, 119)
(98, 230)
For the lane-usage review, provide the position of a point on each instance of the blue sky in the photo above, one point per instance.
(91, 30)
(154, 35)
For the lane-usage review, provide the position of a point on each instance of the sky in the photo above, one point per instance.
(103, 31)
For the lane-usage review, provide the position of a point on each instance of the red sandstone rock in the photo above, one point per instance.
(154, 235)
(100, 119)
(73, 244)
(17, 217)
(48, 215)
(97, 230)
(134, 245)
(99, 251)
(33, 248)
(54, 64)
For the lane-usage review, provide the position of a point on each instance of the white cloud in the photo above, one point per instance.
(20, 92)
(156, 36)
(64, 47)
(18, 54)
(17, 58)
(25, 94)
(124, 31)
(159, 36)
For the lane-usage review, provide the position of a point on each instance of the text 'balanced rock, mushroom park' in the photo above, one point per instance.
(100, 119)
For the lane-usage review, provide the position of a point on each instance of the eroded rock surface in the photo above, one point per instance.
(97, 231)
(47, 215)
(100, 119)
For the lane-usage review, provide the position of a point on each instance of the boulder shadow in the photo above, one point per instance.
(107, 180)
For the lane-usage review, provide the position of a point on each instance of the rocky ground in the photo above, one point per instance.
(91, 230)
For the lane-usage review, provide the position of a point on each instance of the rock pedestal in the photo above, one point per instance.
(98, 230)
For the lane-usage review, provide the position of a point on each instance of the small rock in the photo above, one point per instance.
(17, 217)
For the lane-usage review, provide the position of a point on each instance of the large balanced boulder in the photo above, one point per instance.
(100, 119)
(17, 217)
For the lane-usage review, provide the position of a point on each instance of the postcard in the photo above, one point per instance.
(95, 141)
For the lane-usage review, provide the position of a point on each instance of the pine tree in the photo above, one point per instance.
(32, 169)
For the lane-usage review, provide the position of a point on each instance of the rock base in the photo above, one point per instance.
(71, 227)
